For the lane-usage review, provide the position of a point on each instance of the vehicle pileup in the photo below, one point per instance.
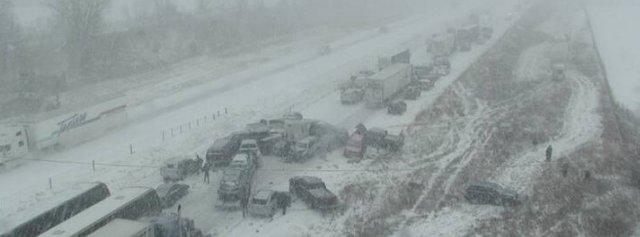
(178, 168)
(379, 88)
(379, 138)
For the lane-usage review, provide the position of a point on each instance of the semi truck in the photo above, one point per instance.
(403, 57)
(441, 45)
(387, 83)
(352, 92)
(60, 128)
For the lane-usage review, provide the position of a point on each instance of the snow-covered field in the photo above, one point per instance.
(303, 82)
(615, 24)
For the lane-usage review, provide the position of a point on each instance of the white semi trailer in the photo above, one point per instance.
(19, 136)
(385, 84)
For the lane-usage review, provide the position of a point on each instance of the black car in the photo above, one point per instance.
(170, 193)
(397, 108)
(412, 93)
(490, 193)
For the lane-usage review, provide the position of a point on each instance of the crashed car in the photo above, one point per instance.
(397, 108)
(412, 93)
(234, 184)
(178, 168)
(170, 193)
(491, 193)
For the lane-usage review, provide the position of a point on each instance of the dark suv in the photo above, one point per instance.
(313, 192)
(491, 193)
(220, 153)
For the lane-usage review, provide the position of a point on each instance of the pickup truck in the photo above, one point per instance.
(374, 137)
(234, 184)
(312, 191)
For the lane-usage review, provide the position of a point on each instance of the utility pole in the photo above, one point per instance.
(179, 222)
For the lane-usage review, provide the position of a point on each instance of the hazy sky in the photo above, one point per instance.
(29, 12)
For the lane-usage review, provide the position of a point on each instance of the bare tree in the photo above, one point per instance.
(9, 33)
(82, 22)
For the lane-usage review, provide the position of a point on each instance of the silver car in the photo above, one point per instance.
(263, 203)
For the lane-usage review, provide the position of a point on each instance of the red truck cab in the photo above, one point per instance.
(355, 146)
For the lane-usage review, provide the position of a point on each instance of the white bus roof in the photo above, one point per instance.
(87, 217)
(121, 227)
(15, 211)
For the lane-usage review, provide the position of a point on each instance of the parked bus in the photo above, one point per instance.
(130, 203)
(125, 228)
(79, 201)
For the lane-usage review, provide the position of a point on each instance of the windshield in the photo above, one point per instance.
(535, 101)
(315, 186)
(259, 201)
(238, 164)
(248, 146)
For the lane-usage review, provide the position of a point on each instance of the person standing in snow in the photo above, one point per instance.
(548, 152)
(205, 169)
(244, 202)
(283, 201)
(565, 169)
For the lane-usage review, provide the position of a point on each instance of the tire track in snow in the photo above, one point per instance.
(581, 124)
(471, 140)
(474, 133)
